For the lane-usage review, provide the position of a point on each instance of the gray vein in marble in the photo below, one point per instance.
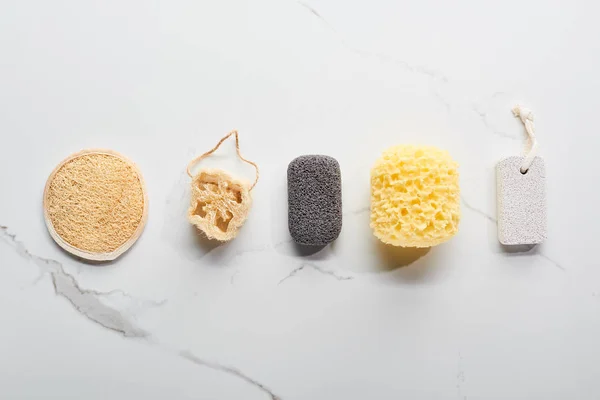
(154, 303)
(84, 301)
(556, 264)
(442, 100)
(460, 378)
(420, 69)
(87, 304)
(241, 252)
(358, 211)
(232, 279)
(228, 370)
(494, 221)
(484, 118)
(283, 242)
(228, 256)
(478, 211)
(291, 274)
(317, 268)
(316, 14)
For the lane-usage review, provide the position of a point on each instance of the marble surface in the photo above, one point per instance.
(180, 318)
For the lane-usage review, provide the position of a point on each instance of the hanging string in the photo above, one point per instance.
(526, 117)
(237, 148)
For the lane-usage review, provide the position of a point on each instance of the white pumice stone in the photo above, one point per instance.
(521, 202)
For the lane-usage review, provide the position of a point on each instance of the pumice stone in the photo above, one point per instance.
(314, 200)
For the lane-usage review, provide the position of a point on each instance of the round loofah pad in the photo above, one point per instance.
(415, 198)
(95, 204)
(220, 204)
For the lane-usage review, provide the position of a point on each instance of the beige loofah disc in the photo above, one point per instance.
(95, 204)
(220, 204)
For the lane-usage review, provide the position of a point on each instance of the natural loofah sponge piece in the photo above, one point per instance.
(314, 200)
(219, 204)
(415, 199)
(95, 204)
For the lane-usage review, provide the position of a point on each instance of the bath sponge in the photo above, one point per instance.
(415, 199)
(314, 200)
(220, 204)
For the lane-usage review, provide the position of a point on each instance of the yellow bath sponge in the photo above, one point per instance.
(415, 198)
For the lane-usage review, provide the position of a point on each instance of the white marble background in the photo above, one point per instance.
(176, 318)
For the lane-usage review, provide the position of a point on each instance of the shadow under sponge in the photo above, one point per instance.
(314, 200)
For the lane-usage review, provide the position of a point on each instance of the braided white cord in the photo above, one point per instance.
(526, 117)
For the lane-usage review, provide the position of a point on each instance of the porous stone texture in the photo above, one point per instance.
(521, 202)
(314, 200)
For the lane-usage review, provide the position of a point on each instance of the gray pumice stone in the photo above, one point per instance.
(314, 200)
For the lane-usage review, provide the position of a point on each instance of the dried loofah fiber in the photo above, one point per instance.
(219, 203)
(95, 204)
(415, 199)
